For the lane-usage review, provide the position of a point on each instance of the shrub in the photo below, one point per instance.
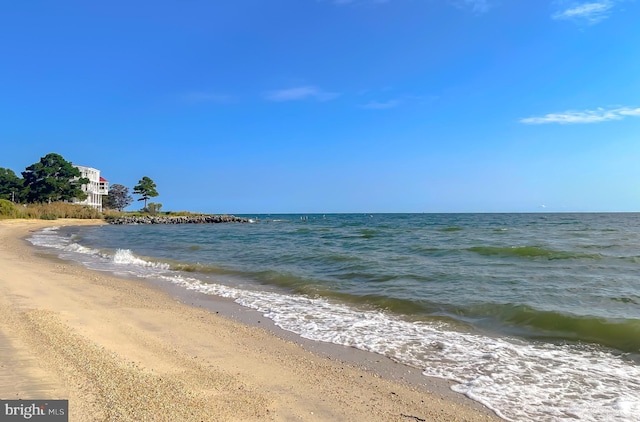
(154, 208)
(8, 209)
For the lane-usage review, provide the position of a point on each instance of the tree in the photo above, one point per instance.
(53, 179)
(118, 197)
(146, 188)
(10, 185)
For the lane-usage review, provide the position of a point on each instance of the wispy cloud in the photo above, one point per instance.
(300, 93)
(342, 2)
(590, 12)
(586, 116)
(394, 101)
(207, 97)
(381, 105)
(476, 6)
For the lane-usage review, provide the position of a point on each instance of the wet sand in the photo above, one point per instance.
(131, 350)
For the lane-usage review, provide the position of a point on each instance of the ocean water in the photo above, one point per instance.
(537, 316)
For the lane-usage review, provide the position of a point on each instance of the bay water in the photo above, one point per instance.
(537, 316)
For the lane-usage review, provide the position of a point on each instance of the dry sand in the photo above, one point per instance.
(126, 350)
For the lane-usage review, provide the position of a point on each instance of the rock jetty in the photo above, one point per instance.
(183, 219)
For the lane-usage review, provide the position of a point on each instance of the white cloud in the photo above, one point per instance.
(381, 105)
(300, 93)
(586, 116)
(591, 12)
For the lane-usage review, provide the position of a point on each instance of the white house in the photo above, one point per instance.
(96, 187)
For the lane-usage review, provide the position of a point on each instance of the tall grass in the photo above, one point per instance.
(50, 211)
(57, 210)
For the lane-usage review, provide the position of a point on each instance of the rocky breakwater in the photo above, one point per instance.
(182, 219)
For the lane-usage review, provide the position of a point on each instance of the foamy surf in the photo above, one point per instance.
(518, 380)
(121, 259)
(126, 257)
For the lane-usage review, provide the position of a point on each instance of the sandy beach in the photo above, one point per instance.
(127, 350)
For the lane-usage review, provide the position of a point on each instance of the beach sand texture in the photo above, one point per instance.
(124, 350)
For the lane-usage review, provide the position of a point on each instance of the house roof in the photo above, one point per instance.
(102, 179)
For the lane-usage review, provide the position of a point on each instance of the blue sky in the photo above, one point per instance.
(268, 106)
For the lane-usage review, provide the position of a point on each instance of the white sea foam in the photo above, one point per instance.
(74, 247)
(48, 237)
(520, 381)
(121, 259)
(126, 257)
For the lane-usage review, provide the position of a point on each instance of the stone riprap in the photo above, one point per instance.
(191, 219)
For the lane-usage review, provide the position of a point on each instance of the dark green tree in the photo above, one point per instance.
(10, 185)
(53, 179)
(118, 198)
(146, 188)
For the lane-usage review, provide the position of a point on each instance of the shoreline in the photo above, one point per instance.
(130, 349)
